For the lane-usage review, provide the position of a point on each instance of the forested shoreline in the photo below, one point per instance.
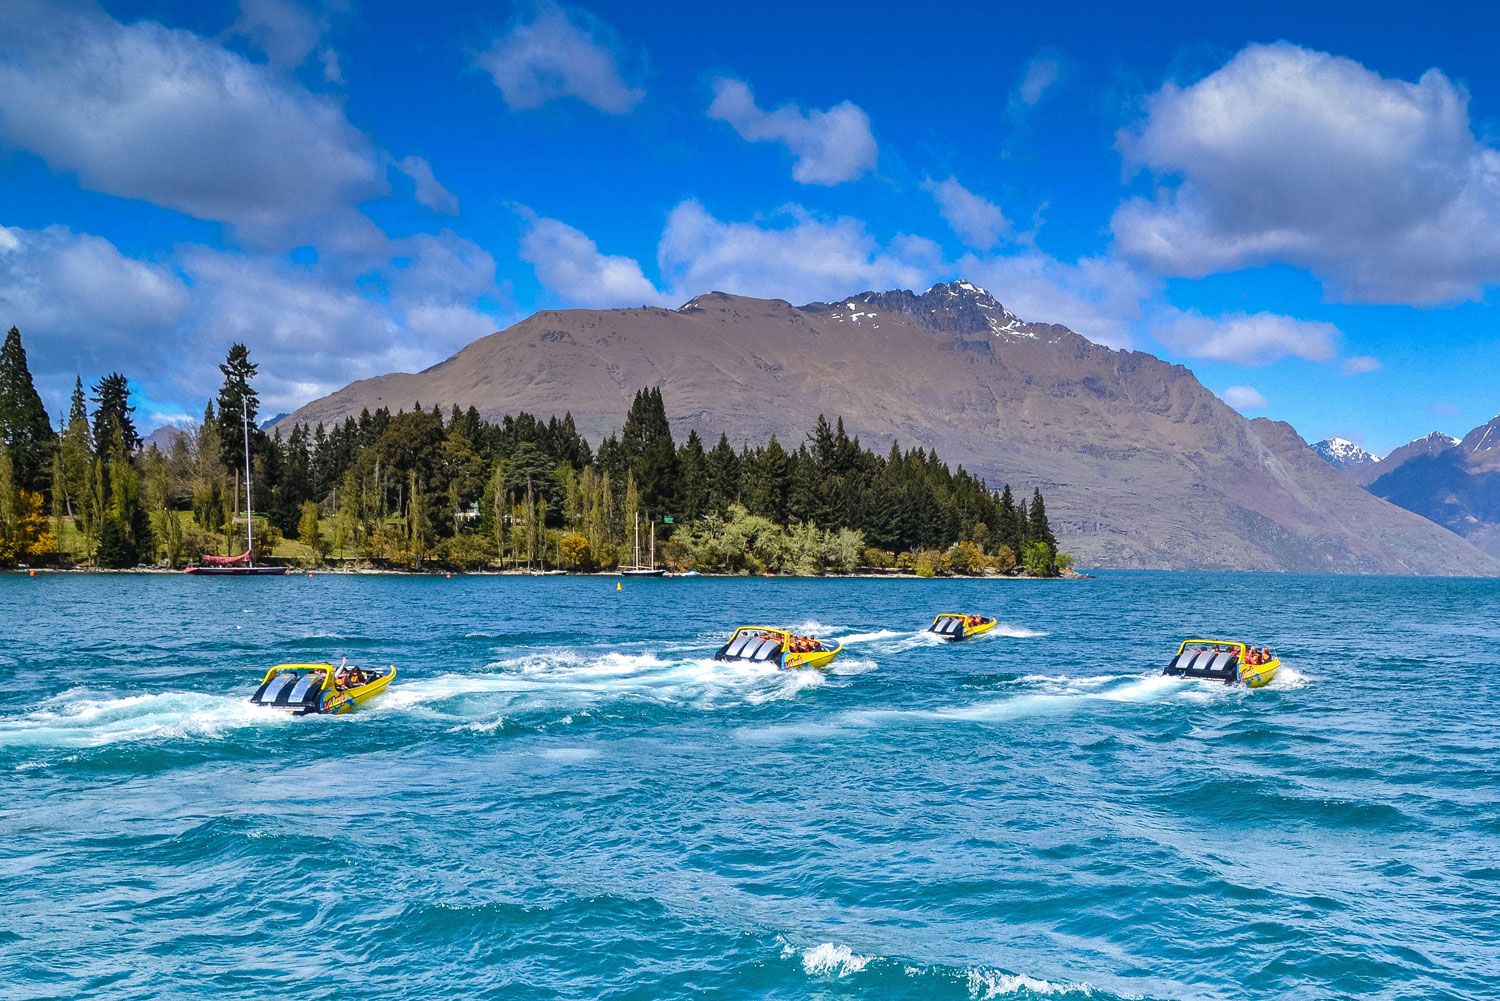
(421, 488)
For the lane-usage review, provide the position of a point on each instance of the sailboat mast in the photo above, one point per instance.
(249, 515)
(635, 553)
(653, 543)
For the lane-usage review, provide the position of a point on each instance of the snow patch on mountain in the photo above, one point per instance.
(1341, 453)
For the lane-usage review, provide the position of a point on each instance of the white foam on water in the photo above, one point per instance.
(570, 680)
(984, 984)
(1013, 632)
(1288, 678)
(879, 634)
(812, 627)
(76, 719)
(567, 754)
(830, 959)
(1048, 696)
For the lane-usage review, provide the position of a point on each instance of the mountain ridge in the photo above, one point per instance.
(1142, 465)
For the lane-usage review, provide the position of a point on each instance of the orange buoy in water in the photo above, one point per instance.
(449, 576)
(31, 573)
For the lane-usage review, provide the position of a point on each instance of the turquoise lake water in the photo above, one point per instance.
(563, 796)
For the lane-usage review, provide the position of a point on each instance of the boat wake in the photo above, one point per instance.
(78, 718)
(1013, 632)
(574, 682)
(1041, 695)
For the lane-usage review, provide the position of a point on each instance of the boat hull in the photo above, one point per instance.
(1258, 675)
(1222, 661)
(236, 571)
(308, 690)
(816, 660)
(770, 645)
(945, 626)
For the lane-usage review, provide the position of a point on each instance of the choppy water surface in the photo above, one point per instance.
(564, 796)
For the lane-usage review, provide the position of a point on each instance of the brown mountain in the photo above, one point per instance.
(1451, 482)
(1142, 466)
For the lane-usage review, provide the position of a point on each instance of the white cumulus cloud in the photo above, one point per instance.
(149, 112)
(569, 263)
(1376, 185)
(81, 305)
(427, 190)
(285, 31)
(1244, 398)
(806, 259)
(559, 53)
(977, 220)
(1098, 297)
(829, 147)
(1246, 338)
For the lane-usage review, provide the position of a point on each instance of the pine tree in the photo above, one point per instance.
(1038, 530)
(723, 477)
(237, 399)
(769, 482)
(24, 426)
(112, 412)
(646, 440)
(692, 478)
(75, 455)
(1008, 530)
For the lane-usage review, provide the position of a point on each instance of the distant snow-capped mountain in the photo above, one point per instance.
(1344, 455)
(1454, 483)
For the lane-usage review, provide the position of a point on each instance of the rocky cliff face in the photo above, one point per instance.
(1142, 466)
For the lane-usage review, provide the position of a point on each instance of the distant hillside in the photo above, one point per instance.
(1141, 465)
(1455, 483)
(163, 438)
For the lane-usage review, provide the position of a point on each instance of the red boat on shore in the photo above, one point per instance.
(242, 565)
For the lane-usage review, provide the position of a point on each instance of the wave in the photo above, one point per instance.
(831, 960)
(75, 720)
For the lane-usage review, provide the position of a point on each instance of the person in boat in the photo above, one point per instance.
(353, 678)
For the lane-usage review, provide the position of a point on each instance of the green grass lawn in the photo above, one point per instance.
(72, 543)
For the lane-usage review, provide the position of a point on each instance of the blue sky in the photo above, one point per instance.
(1299, 202)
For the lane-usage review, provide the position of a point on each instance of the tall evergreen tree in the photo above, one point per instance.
(693, 483)
(1008, 529)
(24, 426)
(1038, 530)
(647, 443)
(723, 476)
(769, 482)
(75, 455)
(236, 398)
(112, 410)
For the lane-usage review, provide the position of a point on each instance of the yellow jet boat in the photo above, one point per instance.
(958, 626)
(767, 645)
(306, 689)
(1223, 660)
